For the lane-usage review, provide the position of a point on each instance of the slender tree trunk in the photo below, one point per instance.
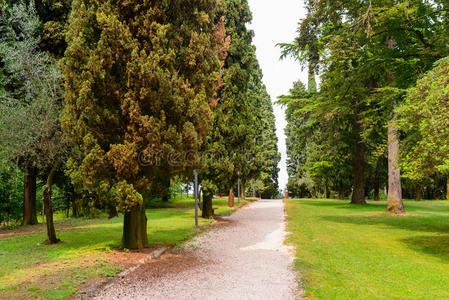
(242, 190)
(231, 198)
(135, 229)
(76, 205)
(29, 197)
(418, 193)
(341, 194)
(326, 190)
(165, 188)
(358, 193)
(376, 191)
(394, 199)
(207, 204)
(51, 232)
(447, 188)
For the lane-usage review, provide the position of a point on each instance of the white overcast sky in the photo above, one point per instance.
(276, 22)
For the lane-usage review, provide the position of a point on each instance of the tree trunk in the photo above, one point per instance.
(51, 232)
(341, 194)
(418, 195)
(29, 197)
(231, 198)
(165, 189)
(326, 190)
(358, 193)
(394, 199)
(242, 190)
(135, 229)
(447, 188)
(207, 204)
(376, 187)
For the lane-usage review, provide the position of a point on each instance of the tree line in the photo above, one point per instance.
(110, 102)
(379, 119)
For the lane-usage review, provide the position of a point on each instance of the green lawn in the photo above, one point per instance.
(352, 252)
(29, 269)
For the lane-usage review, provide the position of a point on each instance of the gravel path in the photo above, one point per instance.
(242, 259)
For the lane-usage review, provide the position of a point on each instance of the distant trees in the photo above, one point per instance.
(242, 143)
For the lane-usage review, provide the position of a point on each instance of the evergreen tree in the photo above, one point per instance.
(140, 77)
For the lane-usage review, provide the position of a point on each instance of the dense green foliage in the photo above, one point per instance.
(369, 54)
(146, 90)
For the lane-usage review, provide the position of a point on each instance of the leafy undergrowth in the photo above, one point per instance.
(345, 251)
(88, 251)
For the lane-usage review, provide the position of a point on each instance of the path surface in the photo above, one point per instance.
(243, 259)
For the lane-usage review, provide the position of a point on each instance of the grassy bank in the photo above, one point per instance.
(352, 252)
(29, 269)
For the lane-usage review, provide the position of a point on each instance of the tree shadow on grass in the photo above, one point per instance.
(433, 245)
(344, 205)
(435, 224)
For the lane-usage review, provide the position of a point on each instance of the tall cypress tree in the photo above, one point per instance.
(141, 77)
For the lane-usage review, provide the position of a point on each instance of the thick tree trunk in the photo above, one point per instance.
(418, 194)
(341, 194)
(29, 197)
(358, 193)
(207, 204)
(135, 229)
(394, 199)
(231, 198)
(51, 232)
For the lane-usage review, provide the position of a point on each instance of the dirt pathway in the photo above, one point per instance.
(245, 259)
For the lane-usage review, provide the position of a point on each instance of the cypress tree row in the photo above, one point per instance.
(140, 77)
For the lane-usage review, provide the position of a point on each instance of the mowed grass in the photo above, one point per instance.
(345, 251)
(31, 270)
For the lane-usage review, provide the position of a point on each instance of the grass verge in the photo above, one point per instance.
(345, 251)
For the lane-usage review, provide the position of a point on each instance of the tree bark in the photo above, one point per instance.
(51, 232)
(231, 198)
(341, 194)
(242, 190)
(29, 197)
(358, 193)
(165, 191)
(207, 204)
(394, 199)
(418, 195)
(326, 190)
(447, 188)
(135, 229)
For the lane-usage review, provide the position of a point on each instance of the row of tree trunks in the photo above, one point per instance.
(29, 196)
